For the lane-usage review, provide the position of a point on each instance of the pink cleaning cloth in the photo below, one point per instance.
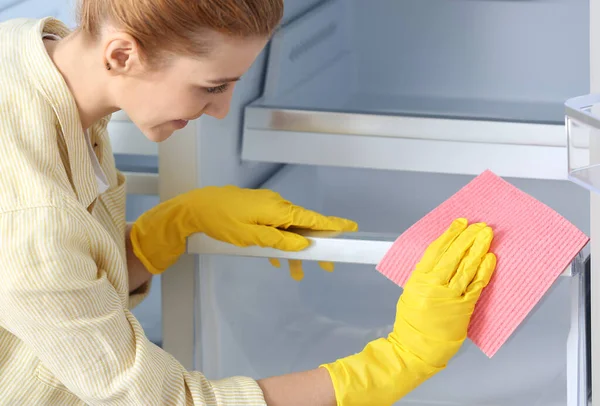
(533, 245)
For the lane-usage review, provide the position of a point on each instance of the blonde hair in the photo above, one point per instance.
(177, 26)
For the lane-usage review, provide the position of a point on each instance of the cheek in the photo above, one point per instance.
(157, 104)
(189, 103)
(153, 104)
(142, 99)
(160, 97)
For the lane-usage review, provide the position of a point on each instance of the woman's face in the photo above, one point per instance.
(162, 100)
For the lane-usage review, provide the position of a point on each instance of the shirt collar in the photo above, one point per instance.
(49, 82)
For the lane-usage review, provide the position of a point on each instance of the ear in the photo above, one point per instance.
(121, 53)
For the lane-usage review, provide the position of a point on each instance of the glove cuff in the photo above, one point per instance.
(138, 252)
(381, 374)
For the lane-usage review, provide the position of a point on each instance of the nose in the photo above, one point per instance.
(219, 108)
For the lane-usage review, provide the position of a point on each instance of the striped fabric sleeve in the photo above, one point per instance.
(56, 300)
(140, 294)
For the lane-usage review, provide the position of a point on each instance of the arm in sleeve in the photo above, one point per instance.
(55, 299)
(141, 293)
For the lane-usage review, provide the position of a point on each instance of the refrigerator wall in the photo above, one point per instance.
(502, 51)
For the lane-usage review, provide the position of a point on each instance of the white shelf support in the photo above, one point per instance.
(141, 183)
(178, 173)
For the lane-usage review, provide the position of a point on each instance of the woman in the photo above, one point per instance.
(71, 271)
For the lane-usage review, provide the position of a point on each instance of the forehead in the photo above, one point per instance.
(228, 57)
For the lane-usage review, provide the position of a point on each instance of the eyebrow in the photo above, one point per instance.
(224, 80)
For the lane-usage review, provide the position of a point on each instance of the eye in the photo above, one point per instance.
(218, 89)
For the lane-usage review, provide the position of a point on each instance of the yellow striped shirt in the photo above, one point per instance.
(67, 336)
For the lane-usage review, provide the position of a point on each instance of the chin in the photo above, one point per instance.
(157, 134)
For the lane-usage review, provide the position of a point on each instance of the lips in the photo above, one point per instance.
(180, 123)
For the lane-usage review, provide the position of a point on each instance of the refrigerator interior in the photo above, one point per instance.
(431, 86)
(475, 59)
(254, 320)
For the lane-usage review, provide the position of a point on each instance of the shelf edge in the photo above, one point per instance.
(338, 250)
(403, 154)
(408, 126)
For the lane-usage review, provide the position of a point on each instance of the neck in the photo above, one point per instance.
(77, 59)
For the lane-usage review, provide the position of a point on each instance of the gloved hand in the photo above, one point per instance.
(242, 217)
(432, 317)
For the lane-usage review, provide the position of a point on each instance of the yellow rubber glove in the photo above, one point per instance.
(242, 217)
(296, 271)
(432, 317)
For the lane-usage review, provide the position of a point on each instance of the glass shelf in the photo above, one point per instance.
(317, 109)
